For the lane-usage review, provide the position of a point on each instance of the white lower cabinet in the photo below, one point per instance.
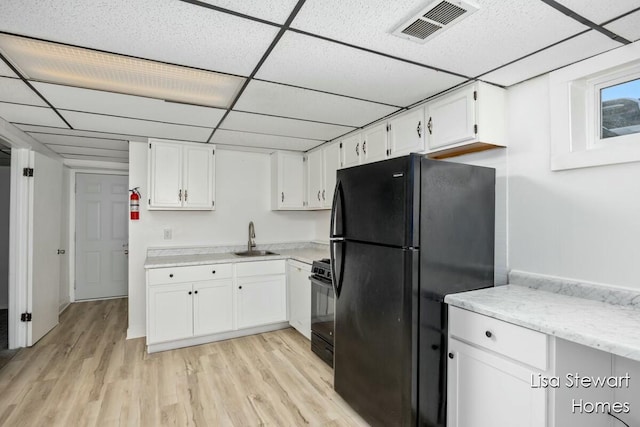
(261, 300)
(299, 288)
(490, 373)
(197, 304)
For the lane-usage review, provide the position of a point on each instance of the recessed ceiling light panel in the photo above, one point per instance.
(73, 66)
(434, 19)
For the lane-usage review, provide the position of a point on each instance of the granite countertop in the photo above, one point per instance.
(180, 257)
(608, 322)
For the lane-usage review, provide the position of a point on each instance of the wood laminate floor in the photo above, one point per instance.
(85, 373)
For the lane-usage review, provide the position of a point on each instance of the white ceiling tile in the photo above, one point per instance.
(170, 31)
(573, 50)
(81, 141)
(99, 123)
(5, 71)
(79, 133)
(247, 139)
(599, 11)
(28, 114)
(96, 158)
(499, 32)
(270, 10)
(627, 27)
(66, 149)
(94, 101)
(15, 90)
(270, 125)
(343, 70)
(287, 101)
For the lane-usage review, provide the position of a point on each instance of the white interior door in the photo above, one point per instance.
(102, 235)
(44, 281)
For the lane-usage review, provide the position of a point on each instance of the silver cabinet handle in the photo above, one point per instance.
(282, 196)
(180, 195)
(364, 147)
(430, 126)
(318, 195)
(323, 195)
(185, 195)
(419, 129)
(358, 149)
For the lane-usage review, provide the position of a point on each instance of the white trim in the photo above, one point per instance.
(19, 238)
(72, 221)
(29, 289)
(572, 112)
(63, 307)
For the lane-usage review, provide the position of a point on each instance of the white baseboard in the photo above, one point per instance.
(63, 307)
(188, 342)
(133, 333)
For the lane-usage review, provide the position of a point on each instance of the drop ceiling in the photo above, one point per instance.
(85, 78)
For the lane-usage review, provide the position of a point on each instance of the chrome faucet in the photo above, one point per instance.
(252, 235)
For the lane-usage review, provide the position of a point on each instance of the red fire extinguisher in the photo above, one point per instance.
(134, 204)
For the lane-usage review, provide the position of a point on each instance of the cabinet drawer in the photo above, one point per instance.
(521, 344)
(260, 268)
(192, 273)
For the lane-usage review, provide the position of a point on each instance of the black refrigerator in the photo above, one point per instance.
(404, 233)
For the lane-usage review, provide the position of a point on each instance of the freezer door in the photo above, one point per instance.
(379, 202)
(373, 332)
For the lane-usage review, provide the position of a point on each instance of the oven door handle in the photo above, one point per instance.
(320, 283)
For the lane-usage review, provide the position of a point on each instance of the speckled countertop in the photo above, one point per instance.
(604, 318)
(180, 257)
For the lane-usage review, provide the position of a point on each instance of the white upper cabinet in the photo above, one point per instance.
(181, 175)
(351, 150)
(472, 117)
(374, 144)
(287, 181)
(406, 133)
(315, 181)
(331, 159)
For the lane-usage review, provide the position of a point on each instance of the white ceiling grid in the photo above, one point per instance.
(294, 102)
(628, 26)
(137, 107)
(340, 69)
(575, 49)
(16, 91)
(336, 69)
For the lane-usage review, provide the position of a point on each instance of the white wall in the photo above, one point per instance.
(242, 195)
(582, 224)
(5, 181)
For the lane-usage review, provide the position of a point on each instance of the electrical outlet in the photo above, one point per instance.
(167, 234)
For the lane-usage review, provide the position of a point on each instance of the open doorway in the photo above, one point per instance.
(5, 195)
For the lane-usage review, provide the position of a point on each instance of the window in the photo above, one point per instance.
(620, 109)
(595, 110)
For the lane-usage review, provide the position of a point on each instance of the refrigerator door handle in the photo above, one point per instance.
(336, 274)
(337, 211)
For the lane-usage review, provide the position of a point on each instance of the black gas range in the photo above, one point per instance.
(322, 310)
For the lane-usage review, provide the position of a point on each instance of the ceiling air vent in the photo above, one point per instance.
(434, 19)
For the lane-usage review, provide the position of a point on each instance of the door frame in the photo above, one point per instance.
(72, 219)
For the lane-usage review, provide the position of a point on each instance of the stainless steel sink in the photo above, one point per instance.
(255, 253)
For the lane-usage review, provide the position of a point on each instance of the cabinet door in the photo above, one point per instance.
(170, 312)
(406, 133)
(486, 390)
(212, 307)
(198, 182)
(261, 300)
(165, 175)
(314, 165)
(331, 157)
(451, 119)
(351, 151)
(374, 144)
(291, 180)
(299, 288)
